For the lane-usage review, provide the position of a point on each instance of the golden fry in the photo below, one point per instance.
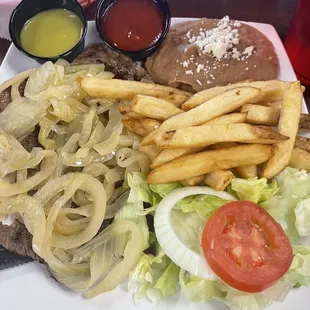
(271, 91)
(120, 89)
(300, 159)
(193, 181)
(232, 118)
(170, 154)
(125, 108)
(150, 150)
(155, 108)
(223, 145)
(135, 126)
(261, 115)
(135, 115)
(247, 172)
(275, 104)
(150, 124)
(219, 179)
(303, 143)
(288, 126)
(224, 103)
(205, 135)
(190, 166)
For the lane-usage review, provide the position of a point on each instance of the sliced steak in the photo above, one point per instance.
(121, 66)
(5, 98)
(31, 140)
(16, 238)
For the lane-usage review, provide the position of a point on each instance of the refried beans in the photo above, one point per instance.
(201, 54)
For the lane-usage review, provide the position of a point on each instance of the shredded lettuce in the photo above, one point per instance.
(203, 205)
(164, 189)
(190, 231)
(133, 209)
(302, 214)
(256, 190)
(201, 290)
(243, 301)
(155, 277)
(299, 272)
(198, 289)
(294, 183)
(286, 198)
(143, 190)
(290, 207)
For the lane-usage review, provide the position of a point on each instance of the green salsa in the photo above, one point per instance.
(51, 33)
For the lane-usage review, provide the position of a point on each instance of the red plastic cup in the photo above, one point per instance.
(297, 42)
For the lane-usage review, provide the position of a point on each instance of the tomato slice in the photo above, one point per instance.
(246, 247)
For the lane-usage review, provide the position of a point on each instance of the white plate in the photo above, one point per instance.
(30, 286)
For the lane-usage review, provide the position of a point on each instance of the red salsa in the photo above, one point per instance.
(133, 25)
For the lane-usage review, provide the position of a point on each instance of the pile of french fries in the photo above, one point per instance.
(245, 130)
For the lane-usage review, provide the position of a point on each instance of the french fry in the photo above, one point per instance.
(125, 108)
(176, 98)
(190, 166)
(150, 150)
(247, 172)
(288, 126)
(219, 179)
(134, 115)
(193, 181)
(232, 118)
(155, 108)
(135, 126)
(271, 91)
(269, 115)
(300, 159)
(275, 104)
(219, 105)
(205, 135)
(303, 143)
(261, 115)
(120, 89)
(150, 124)
(170, 154)
(223, 145)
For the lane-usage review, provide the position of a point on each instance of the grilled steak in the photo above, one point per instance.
(121, 66)
(16, 238)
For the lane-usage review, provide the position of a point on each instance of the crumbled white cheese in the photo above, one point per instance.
(248, 50)
(199, 68)
(199, 82)
(189, 72)
(221, 40)
(185, 64)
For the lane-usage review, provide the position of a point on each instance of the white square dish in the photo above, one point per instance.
(31, 287)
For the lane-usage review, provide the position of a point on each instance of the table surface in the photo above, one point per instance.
(276, 12)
